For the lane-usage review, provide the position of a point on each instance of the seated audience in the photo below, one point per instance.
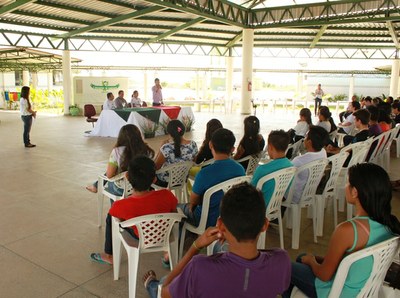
(346, 113)
(396, 112)
(224, 168)
(143, 201)
(135, 100)
(243, 271)
(323, 118)
(347, 125)
(361, 123)
(369, 190)
(129, 145)
(314, 142)
(302, 126)
(384, 119)
(176, 150)
(120, 101)
(109, 103)
(374, 128)
(278, 141)
(252, 141)
(205, 151)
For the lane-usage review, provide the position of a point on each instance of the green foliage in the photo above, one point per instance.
(47, 99)
(339, 97)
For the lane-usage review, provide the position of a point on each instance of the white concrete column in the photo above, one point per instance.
(351, 87)
(67, 80)
(394, 79)
(205, 86)
(34, 80)
(25, 78)
(145, 87)
(50, 80)
(229, 84)
(247, 71)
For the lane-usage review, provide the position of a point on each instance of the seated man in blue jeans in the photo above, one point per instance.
(224, 168)
(243, 271)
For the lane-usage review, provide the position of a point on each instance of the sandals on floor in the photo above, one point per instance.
(151, 275)
(91, 188)
(96, 257)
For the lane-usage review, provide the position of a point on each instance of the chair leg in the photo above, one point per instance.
(280, 221)
(320, 207)
(296, 217)
(315, 221)
(173, 246)
(116, 245)
(182, 241)
(342, 199)
(100, 202)
(133, 264)
(398, 147)
(349, 211)
(335, 215)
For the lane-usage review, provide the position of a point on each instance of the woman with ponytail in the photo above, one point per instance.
(175, 149)
(27, 115)
(370, 191)
(129, 145)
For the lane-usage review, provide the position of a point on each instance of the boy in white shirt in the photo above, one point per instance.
(109, 103)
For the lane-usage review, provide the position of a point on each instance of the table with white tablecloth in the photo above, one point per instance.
(111, 121)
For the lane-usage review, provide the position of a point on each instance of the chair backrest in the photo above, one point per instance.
(252, 164)
(383, 253)
(295, 148)
(375, 147)
(337, 162)
(332, 135)
(154, 230)
(177, 173)
(314, 170)
(89, 110)
(224, 186)
(207, 162)
(282, 179)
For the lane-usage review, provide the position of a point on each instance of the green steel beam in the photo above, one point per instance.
(51, 17)
(175, 30)
(393, 34)
(13, 6)
(232, 15)
(232, 42)
(118, 19)
(318, 36)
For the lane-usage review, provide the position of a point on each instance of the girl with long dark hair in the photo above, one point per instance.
(27, 115)
(370, 191)
(205, 151)
(252, 141)
(129, 145)
(176, 150)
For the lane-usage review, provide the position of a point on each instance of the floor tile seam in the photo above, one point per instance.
(77, 287)
(41, 267)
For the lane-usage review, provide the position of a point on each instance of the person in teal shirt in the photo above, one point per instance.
(370, 191)
(278, 142)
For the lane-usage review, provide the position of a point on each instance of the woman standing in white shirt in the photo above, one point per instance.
(27, 115)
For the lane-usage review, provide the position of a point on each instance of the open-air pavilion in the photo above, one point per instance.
(49, 223)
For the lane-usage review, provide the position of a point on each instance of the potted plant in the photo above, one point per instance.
(149, 129)
(188, 122)
(74, 110)
(164, 125)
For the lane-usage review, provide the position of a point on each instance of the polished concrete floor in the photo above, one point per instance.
(48, 226)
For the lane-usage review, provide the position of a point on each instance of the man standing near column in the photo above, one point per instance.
(318, 98)
(157, 93)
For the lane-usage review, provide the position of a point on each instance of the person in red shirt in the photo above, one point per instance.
(143, 201)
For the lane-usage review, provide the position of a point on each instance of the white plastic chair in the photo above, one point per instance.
(253, 161)
(224, 186)
(333, 134)
(384, 154)
(383, 254)
(154, 236)
(120, 181)
(201, 165)
(315, 170)
(337, 162)
(377, 145)
(359, 153)
(177, 179)
(295, 148)
(282, 180)
(396, 139)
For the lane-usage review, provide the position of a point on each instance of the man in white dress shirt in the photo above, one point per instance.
(109, 103)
